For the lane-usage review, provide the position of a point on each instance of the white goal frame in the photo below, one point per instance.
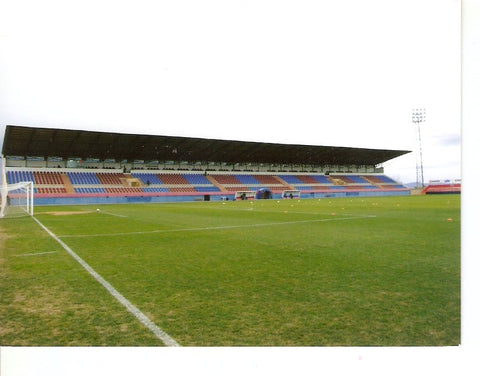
(291, 194)
(17, 199)
(244, 195)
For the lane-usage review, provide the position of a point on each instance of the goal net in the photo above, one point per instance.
(17, 199)
(245, 195)
(291, 194)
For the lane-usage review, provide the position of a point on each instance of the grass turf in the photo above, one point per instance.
(382, 271)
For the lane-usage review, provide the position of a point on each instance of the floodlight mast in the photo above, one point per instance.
(418, 117)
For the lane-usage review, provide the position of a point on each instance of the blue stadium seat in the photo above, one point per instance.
(207, 189)
(247, 179)
(385, 179)
(321, 179)
(83, 178)
(196, 179)
(155, 190)
(290, 179)
(357, 179)
(146, 178)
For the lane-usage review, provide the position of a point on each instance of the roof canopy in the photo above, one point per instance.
(64, 143)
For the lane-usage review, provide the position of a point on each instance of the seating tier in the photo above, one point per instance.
(98, 183)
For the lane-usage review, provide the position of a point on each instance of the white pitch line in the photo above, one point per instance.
(113, 214)
(139, 315)
(218, 227)
(35, 254)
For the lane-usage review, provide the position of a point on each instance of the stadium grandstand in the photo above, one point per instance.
(443, 187)
(87, 167)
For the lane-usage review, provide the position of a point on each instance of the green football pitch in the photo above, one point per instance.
(379, 271)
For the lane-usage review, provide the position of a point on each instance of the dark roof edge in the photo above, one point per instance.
(41, 142)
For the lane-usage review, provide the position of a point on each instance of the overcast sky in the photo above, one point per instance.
(340, 73)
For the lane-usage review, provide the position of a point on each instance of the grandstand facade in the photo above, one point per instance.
(86, 167)
(443, 187)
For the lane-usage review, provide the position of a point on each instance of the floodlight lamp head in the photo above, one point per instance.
(418, 115)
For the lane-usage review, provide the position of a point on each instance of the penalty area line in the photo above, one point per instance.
(211, 228)
(112, 214)
(139, 315)
(35, 254)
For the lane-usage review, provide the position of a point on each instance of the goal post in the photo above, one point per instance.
(16, 199)
(291, 194)
(245, 195)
